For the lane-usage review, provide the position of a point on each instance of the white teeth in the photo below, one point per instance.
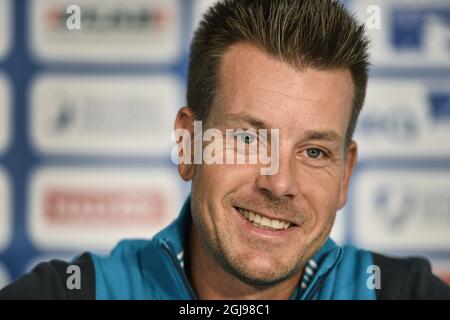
(275, 224)
(264, 222)
(287, 225)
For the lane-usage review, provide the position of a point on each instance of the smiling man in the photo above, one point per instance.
(295, 66)
(238, 248)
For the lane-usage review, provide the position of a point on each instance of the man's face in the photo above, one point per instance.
(311, 109)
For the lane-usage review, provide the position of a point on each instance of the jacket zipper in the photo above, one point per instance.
(166, 245)
(319, 283)
(316, 287)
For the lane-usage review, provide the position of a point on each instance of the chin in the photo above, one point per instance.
(263, 271)
(263, 277)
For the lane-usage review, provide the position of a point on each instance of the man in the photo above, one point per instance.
(298, 67)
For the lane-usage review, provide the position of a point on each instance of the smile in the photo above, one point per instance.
(264, 222)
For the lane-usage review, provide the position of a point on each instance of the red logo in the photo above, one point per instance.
(105, 207)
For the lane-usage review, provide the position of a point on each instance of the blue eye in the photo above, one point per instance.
(245, 137)
(314, 153)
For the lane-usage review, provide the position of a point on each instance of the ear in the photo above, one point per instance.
(351, 154)
(185, 122)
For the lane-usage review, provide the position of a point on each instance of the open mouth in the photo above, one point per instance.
(264, 222)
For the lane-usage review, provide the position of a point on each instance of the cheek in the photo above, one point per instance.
(321, 192)
(223, 178)
(213, 183)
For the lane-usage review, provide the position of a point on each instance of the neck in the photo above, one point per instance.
(210, 281)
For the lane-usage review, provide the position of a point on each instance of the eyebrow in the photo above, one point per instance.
(244, 117)
(328, 135)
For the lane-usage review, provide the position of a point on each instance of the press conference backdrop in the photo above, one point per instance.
(86, 118)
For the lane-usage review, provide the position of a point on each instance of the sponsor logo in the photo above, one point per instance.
(440, 106)
(85, 206)
(5, 211)
(5, 278)
(95, 208)
(413, 33)
(5, 27)
(412, 119)
(136, 31)
(403, 210)
(104, 115)
(5, 117)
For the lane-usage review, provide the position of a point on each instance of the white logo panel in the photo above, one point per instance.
(200, 8)
(404, 118)
(5, 114)
(113, 31)
(5, 27)
(95, 115)
(403, 210)
(5, 279)
(413, 33)
(5, 211)
(82, 209)
(339, 227)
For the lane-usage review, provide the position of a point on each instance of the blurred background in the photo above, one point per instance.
(86, 117)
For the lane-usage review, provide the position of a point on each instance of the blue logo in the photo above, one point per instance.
(409, 24)
(64, 117)
(398, 124)
(440, 106)
(395, 205)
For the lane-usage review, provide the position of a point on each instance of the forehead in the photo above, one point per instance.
(253, 82)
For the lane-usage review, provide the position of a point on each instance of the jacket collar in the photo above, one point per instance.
(176, 233)
(318, 267)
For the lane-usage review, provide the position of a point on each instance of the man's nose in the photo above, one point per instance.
(282, 184)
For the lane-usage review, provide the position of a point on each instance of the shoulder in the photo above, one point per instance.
(408, 278)
(123, 257)
(55, 279)
(123, 251)
(119, 275)
(362, 274)
(89, 276)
